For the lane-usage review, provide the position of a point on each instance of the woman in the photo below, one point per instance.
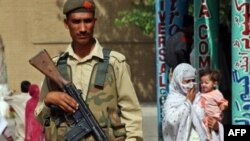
(33, 129)
(182, 111)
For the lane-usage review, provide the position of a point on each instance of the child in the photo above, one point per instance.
(212, 99)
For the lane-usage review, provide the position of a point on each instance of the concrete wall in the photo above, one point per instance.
(28, 26)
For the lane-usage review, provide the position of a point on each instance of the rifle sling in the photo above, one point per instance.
(102, 68)
(101, 71)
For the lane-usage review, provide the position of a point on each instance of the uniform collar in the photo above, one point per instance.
(95, 52)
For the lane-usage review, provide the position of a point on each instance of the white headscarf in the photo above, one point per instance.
(182, 72)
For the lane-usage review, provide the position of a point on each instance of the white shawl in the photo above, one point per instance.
(3, 123)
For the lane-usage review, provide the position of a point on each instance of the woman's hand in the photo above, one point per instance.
(62, 100)
(191, 94)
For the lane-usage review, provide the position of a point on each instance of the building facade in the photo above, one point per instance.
(32, 25)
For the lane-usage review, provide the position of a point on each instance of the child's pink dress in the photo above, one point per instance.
(211, 103)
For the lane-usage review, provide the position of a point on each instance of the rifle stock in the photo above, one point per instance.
(84, 121)
(42, 61)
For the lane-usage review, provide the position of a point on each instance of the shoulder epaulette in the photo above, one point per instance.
(117, 56)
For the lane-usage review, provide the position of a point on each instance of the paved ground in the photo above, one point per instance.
(149, 123)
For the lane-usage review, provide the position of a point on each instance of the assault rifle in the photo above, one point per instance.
(84, 121)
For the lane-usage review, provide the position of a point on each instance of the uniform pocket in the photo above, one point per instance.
(118, 128)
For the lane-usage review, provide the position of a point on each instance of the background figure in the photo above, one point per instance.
(179, 45)
(4, 110)
(225, 68)
(183, 114)
(18, 102)
(33, 129)
(4, 128)
(212, 100)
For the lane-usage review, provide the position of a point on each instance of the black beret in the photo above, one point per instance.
(81, 5)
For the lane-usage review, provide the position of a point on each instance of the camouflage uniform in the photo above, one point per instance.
(116, 104)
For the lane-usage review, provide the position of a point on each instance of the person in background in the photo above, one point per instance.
(212, 100)
(112, 101)
(18, 102)
(180, 44)
(33, 129)
(225, 68)
(4, 130)
(183, 114)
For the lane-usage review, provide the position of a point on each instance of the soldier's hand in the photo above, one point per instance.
(62, 100)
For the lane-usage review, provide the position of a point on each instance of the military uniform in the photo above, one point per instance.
(121, 85)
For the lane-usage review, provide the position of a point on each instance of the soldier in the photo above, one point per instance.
(114, 104)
